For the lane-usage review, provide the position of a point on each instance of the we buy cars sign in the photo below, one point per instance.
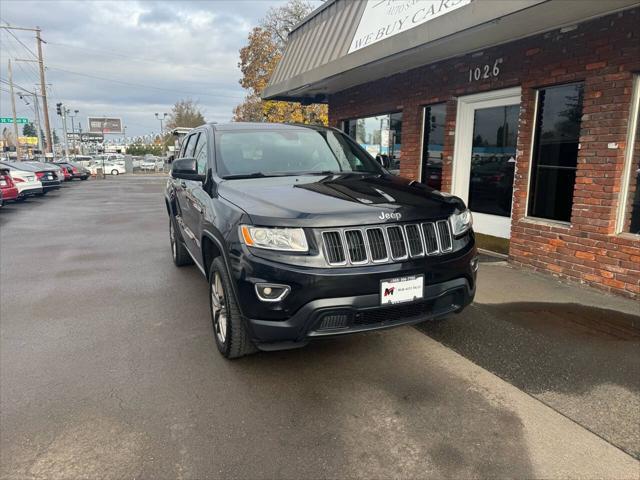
(104, 125)
(382, 19)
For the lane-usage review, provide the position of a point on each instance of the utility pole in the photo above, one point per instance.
(43, 89)
(45, 105)
(13, 108)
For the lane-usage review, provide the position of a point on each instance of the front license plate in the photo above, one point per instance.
(401, 290)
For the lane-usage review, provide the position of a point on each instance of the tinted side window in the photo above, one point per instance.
(191, 146)
(183, 147)
(200, 153)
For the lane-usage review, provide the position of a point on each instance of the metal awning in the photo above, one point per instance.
(317, 61)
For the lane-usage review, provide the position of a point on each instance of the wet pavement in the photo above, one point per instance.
(581, 359)
(108, 368)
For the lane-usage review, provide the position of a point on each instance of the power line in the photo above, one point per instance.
(17, 39)
(140, 84)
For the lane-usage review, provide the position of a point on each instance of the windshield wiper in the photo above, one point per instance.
(239, 176)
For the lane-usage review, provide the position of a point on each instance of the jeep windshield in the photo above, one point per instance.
(272, 153)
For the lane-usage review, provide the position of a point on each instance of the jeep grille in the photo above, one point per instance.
(379, 244)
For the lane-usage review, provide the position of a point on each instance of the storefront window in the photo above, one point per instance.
(555, 152)
(381, 136)
(632, 210)
(493, 159)
(433, 145)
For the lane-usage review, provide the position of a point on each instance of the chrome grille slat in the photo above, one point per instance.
(377, 245)
(430, 238)
(414, 240)
(397, 244)
(444, 235)
(386, 243)
(334, 249)
(356, 246)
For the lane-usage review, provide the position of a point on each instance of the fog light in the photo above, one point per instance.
(474, 264)
(271, 292)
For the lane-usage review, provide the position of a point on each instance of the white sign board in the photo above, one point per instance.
(382, 19)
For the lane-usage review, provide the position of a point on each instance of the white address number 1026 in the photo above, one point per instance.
(485, 72)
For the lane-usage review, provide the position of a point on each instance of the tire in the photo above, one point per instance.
(178, 250)
(115, 172)
(229, 330)
(84, 178)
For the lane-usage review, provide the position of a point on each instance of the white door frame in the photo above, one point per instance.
(461, 174)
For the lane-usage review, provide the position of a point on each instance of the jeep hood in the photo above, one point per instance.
(336, 200)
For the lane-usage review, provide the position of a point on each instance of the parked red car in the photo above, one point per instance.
(8, 188)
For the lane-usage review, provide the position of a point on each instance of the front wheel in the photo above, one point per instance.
(229, 329)
(115, 172)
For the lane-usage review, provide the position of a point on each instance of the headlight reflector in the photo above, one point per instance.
(285, 239)
(461, 222)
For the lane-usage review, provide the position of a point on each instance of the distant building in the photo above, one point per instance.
(528, 110)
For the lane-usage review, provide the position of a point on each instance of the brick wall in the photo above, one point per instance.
(604, 54)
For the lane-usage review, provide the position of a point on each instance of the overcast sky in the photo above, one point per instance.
(131, 59)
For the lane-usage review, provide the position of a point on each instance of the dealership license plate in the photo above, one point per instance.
(401, 290)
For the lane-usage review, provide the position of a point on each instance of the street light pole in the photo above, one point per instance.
(73, 130)
(161, 118)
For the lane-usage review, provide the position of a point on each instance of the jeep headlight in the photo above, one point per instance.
(461, 222)
(285, 239)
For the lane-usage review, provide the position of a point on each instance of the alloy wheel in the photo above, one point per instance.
(172, 238)
(219, 309)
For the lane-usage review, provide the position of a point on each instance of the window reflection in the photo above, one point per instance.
(433, 145)
(633, 204)
(493, 160)
(555, 153)
(381, 136)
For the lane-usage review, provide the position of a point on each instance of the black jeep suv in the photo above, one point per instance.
(302, 234)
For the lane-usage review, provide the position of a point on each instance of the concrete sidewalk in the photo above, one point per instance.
(574, 348)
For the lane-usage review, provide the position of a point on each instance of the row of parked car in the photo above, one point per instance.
(19, 180)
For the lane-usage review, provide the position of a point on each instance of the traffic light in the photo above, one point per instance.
(59, 108)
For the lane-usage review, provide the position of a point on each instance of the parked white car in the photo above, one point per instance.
(26, 181)
(110, 168)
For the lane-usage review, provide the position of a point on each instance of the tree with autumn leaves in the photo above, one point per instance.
(258, 61)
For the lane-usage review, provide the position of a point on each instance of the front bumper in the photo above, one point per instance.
(347, 299)
(363, 313)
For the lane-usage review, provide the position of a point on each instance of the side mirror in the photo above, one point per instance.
(186, 169)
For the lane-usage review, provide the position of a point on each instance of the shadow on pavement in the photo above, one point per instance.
(583, 361)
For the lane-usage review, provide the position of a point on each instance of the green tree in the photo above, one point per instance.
(185, 113)
(259, 59)
(29, 130)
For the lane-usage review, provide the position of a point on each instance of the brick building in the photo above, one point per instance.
(526, 109)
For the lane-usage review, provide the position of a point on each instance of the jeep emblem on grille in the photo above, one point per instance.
(390, 216)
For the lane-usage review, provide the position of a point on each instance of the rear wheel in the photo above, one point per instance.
(178, 250)
(231, 335)
(114, 172)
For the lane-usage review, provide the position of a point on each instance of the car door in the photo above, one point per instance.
(186, 217)
(195, 194)
(198, 194)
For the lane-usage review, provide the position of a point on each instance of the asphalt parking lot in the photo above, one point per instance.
(108, 368)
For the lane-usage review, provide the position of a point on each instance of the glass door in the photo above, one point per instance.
(485, 158)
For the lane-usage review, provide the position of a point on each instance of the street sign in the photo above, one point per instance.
(104, 125)
(73, 137)
(10, 120)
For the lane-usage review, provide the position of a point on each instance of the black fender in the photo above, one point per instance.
(216, 237)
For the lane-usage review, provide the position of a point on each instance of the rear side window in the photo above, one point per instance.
(190, 147)
(200, 153)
